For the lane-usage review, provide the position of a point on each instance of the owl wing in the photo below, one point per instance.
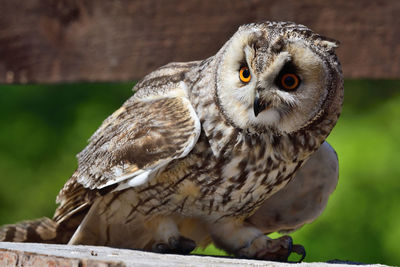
(139, 139)
(131, 146)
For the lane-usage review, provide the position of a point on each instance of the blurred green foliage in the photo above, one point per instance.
(43, 127)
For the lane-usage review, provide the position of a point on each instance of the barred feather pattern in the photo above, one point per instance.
(196, 151)
(39, 230)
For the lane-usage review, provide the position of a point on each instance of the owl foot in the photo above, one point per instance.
(264, 248)
(280, 249)
(180, 245)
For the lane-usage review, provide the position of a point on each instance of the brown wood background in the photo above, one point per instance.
(48, 41)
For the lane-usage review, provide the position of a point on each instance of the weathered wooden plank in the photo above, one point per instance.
(34, 254)
(102, 40)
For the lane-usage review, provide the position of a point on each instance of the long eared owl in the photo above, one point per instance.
(221, 150)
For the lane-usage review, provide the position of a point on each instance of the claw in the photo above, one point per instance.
(161, 248)
(181, 245)
(280, 250)
(299, 249)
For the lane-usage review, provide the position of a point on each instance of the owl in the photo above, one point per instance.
(222, 150)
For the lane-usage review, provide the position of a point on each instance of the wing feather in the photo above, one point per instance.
(143, 137)
(155, 126)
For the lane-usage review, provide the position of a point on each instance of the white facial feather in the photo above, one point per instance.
(288, 110)
(239, 96)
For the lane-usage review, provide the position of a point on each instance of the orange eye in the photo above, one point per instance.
(289, 81)
(244, 74)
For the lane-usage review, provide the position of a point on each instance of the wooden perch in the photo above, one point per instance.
(34, 254)
(47, 41)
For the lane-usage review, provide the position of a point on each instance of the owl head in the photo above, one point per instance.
(277, 76)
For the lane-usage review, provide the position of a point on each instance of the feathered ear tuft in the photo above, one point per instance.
(327, 43)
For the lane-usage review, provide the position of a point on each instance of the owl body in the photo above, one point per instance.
(201, 146)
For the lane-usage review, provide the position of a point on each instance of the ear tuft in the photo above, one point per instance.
(327, 43)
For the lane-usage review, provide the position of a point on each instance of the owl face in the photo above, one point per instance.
(276, 79)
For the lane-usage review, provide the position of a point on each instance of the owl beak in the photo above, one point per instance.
(258, 105)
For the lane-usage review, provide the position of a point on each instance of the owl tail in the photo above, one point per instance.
(43, 230)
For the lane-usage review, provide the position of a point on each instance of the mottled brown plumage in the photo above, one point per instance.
(197, 150)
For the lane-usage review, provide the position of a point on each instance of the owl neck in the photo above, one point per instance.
(224, 138)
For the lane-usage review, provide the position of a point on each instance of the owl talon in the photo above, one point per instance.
(161, 248)
(280, 249)
(181, 245)
(299, 249)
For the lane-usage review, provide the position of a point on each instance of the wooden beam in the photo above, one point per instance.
(38, 255)
(48, 41)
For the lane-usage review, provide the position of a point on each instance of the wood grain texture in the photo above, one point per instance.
(33, 254)
(48, 41)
